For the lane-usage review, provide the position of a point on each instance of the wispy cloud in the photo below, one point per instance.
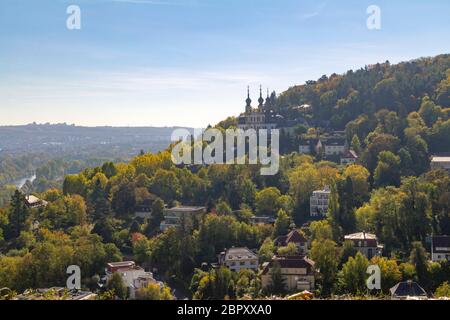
(315, 13)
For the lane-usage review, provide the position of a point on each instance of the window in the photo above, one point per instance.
(242, 263)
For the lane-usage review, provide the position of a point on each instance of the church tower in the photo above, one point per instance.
(248, 106)
(268, 104)
(260, 100)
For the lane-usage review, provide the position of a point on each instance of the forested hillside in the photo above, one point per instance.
(339, 99)
(394, 117)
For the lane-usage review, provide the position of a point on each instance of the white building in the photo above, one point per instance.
(440, 248)
(318, 202)
(134, 277)
(34, 202)
(334, 146)
(304, 148)
(366, 243)
(440, 163)
(237, 259)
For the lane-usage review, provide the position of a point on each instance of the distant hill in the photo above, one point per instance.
(63, 139)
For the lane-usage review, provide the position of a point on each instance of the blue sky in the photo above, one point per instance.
(188, 62)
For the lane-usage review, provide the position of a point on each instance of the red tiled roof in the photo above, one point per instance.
(292, 237)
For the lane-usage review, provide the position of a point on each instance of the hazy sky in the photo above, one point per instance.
(188, 62)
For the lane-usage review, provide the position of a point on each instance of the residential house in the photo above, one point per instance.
(334, 146)
(440, 162)
(349, 157)
(440, 248)
(174, 217)
(366, 243)
(304, 148)
(237, 259)
(144, 208)
(34, 202)
(133, 276)
(293, 237)
(408, 290)
(318, 202)
(298, 272)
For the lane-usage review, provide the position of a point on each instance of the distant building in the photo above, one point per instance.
(304, 147)
(262, 117)
(144, 208)
(408, 290)
(174, 217)
(34, 202)
(262, 220)
(318, 202)
(298, 272)
(134, 277)
(265, 117)
(237, 259)
(328, 146)
(366, 243)
(440, 248)
(438, 162)
(334, 146)
(55, 293)
(296, 238)
(349, 157)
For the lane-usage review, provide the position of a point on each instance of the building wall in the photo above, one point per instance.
(236, 266)
(440, 165)
(369, 252)
(319, 202)
(294, 281)
(305, 149)
(334, 150)
(437, 257)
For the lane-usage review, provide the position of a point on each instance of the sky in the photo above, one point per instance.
(189, 62)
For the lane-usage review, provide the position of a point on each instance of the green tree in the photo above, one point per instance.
(266, 251)
(419, 259)
(321, 230)
(154, 292)
(223, 208)
(387, 171)
(19, 213)
(266, 201)
(390, 272)
(116, 284)
(282, 223)
(277, 282)
(290, 250)
(356, 144)
(326, 256)
(156, 218)
(353, 275)
(443, 291)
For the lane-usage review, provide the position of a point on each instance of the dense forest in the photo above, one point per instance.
(394, 117)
